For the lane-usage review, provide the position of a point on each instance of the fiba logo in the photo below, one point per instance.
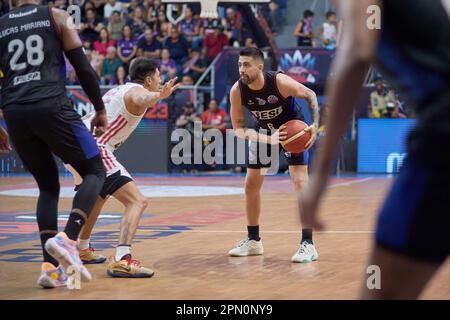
(394, 162)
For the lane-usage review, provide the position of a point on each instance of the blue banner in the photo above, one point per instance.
(382, 144)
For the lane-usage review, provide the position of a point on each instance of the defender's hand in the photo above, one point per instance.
(168, 88)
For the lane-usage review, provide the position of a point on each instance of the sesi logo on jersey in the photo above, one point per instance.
(267, 114)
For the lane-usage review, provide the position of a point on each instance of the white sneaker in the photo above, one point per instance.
(306, 253)
(51, 276)
(65, 251)
(247, 247)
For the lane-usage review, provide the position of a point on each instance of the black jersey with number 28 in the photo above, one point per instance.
(32, 60)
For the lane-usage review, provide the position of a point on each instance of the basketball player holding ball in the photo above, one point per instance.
(270, 97)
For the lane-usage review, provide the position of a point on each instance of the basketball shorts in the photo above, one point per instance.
(116, 174)
(255, 160)
(415, 218)
(58, 128)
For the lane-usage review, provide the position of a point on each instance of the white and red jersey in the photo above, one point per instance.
(121, 123)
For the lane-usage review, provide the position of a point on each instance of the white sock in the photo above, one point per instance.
(122, 251)
(83, 244)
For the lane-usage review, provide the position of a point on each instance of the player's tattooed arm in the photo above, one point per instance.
(313, 105)
(291, 88)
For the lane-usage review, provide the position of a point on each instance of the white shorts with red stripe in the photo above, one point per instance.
(110, 162)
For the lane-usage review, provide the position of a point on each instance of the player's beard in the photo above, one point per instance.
(246, 79)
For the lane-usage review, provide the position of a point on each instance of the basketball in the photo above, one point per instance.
(297, 137)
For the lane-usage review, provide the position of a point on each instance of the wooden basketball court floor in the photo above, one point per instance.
(185, 235)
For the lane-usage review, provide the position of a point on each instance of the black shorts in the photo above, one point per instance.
(58, 129)
(255, 161)
(113, 183)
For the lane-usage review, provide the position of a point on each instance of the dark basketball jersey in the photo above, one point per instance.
(267, 106)
(32, 58)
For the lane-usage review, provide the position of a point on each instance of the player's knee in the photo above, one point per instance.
(93, 166)
(252, 187)
(299, 182)
(142, 203)
(49, 186)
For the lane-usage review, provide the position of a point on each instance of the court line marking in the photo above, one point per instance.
(346, 184)
(243, 231)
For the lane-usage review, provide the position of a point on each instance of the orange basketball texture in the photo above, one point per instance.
(296, 136)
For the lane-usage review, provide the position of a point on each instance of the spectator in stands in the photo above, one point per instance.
(209, 26)
(115, 25)
(95, 60)
(186, 120)
(214, 117)
(187, 80)
(188, 117)
(328, 31)
(148, 46)
(163, 27)
(167, 66)
(127, 46)
(250, 43)
(232, 23)
(214, 43)
(111, 6)
(91, 26)
(275, 17)
(383, 102)
(110, 65)
(175, 13)
(186, 95)
(304, 30)
(100, 7)
(137, 22)
(178, 47)
(196, 64)
(87, 44)
(85, 7)
(132, 6)
(120, 77)
(103, 43)
(189, 27)
(153, 13)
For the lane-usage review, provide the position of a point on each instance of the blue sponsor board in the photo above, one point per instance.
(382, 144)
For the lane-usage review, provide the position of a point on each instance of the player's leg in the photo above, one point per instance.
(252, 245)
(122, 265)
(395, 283)
(298, 171)
(87, 252)
(412, 232)
(69, 138)
(38, 159)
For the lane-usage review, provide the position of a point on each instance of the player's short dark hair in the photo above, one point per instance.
(252, 52)
(308, 13)
(142, 67)
(329, 14)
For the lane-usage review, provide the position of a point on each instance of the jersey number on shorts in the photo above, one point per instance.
(35, 52)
